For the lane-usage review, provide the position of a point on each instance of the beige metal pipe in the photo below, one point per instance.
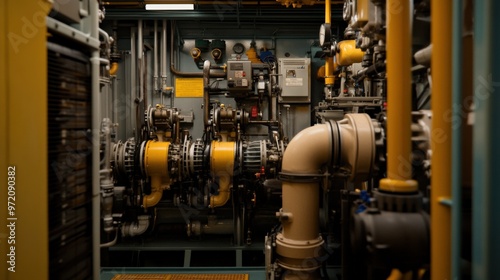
(350, 144)
(299, 244)
(305, 155)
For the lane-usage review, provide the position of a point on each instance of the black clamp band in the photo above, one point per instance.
(300, 178)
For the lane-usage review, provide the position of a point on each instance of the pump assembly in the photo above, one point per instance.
(245, 150)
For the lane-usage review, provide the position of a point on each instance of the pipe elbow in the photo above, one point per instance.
(308, 150)
(152, 199)
(136, 228)
(113, 69)
(220, 199)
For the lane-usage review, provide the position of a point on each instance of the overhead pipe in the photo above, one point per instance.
(441, 68)
(399, 168)
(349, 143)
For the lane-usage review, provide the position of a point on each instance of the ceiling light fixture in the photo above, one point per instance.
(169, 7)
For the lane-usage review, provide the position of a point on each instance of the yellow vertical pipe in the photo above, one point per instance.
(329, 79)
(441, 60)
(398, 99)
(23, 108)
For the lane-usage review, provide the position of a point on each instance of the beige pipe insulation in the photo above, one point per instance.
(348, 144)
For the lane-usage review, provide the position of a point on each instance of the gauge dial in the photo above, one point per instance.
(238, 48)
(325, 35)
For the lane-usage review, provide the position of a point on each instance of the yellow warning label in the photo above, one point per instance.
(188, 87)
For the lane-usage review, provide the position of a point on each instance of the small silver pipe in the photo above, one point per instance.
(140, 61)
(111, 243)
(133, 75)
(155, 59)
(206, 95)
(164, 55)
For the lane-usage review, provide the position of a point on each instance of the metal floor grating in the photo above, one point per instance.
(181, 277)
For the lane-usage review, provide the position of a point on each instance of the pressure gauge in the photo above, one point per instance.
(238, 48)
(347, 10)
(325, 35)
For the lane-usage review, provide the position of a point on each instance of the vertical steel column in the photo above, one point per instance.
(96, 130)
(456, 142)
(441, 37)
(486, 139)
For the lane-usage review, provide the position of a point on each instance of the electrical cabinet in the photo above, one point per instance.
(295, 78)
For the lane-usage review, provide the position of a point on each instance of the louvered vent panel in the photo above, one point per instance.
(69, 150)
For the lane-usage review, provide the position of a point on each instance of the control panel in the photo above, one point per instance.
(239, 75)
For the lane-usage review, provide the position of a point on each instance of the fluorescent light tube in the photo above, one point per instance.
(163, 7)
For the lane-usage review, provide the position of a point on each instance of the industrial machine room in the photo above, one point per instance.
(249, 139)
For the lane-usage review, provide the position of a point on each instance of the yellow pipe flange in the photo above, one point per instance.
(156, 166)
(348, 53)
(395, 185)
(221, 167)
